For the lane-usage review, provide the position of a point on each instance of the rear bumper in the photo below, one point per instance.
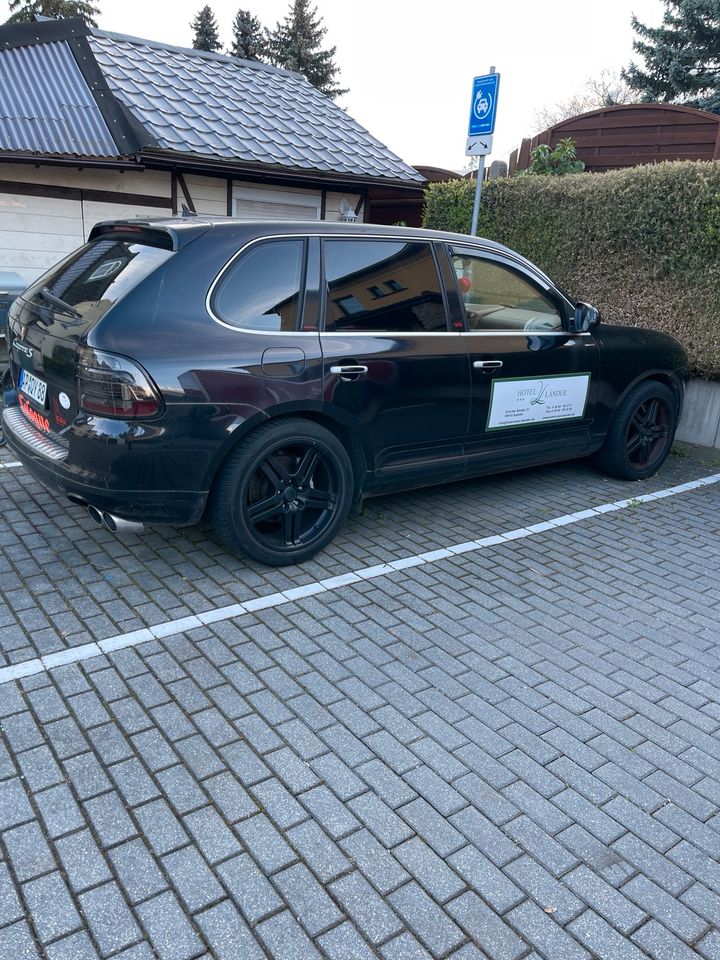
(49, 462)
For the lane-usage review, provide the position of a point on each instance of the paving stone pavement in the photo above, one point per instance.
(511, 753)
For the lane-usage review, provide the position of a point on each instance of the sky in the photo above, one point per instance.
(409, 66)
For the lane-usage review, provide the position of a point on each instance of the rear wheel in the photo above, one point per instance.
(283, 493)
(641, 432)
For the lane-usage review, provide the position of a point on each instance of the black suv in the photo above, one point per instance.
(275, 373)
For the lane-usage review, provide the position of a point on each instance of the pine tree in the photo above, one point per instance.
(295, 45)
(682, 56)
(23, 11)
(248, 37)
(205, 26)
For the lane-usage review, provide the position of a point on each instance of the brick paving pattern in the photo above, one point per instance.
(511, 753)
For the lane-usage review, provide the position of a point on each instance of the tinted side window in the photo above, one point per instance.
(382, 285)
(262, 289)
(498, 298)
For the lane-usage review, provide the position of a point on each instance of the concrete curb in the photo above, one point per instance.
(700, 421)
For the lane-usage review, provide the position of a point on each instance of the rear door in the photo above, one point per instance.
(533, 384)
(394, 371)
(56, 313)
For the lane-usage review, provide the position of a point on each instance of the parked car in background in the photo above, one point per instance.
(11, 284)
(271, 374)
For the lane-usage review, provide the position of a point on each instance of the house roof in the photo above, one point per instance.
(79, 92)
(57, 115)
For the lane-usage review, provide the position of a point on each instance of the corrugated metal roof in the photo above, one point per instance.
(215, 106)
(46, 105)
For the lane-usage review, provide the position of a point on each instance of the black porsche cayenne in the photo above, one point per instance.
(272, 374)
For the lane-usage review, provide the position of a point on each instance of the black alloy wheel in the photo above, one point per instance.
(283, 493)
(641, 432)
(291, 496)
(647, 433)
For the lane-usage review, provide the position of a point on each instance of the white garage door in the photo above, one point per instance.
(36, 232)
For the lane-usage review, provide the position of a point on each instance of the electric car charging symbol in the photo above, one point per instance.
(482, 105)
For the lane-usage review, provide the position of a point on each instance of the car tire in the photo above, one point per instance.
(283, 493)
(641, 433)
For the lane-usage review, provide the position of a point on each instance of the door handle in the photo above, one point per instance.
(487, 364)
(350, 371)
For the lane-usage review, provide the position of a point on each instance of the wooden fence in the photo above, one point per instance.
(630, 134)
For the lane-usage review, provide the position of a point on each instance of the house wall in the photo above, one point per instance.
(35, 232)
(333, 201)
(46, 212)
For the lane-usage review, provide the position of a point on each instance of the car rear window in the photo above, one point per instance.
(97, 275)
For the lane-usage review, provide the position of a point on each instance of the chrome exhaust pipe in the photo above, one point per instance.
(95, 515)
(118, 525)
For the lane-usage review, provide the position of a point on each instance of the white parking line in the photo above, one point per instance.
(11, 463)
(170, 627)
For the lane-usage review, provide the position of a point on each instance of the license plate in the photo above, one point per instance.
(33, 387)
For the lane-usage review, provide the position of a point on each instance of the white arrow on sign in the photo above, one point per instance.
(478, 146)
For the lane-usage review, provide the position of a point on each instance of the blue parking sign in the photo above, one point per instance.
(483, 106)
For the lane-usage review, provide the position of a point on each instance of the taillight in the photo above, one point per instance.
(113, 386)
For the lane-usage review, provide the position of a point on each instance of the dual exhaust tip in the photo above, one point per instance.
(108, 520)
(113, 523)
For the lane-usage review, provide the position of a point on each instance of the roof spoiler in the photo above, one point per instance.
(157, 233)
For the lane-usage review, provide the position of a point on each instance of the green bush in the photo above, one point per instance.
(642, 244)
(449, 205)
(556, 162)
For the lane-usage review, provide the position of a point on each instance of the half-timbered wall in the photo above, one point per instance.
(46, 212)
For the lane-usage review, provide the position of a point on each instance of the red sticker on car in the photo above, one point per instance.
(42, 423)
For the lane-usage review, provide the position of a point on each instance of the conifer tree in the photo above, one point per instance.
(206, 32)
(295, 45)
(248, 37)
(26, 10)
(682, 56)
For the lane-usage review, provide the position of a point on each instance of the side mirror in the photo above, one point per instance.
(585, 319)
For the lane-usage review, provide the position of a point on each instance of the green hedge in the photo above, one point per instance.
(643, 244)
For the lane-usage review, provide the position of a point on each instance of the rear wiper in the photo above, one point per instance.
(59, 304)
(41, 315)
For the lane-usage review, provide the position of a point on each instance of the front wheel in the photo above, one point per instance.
(283, 493)
(641, 432)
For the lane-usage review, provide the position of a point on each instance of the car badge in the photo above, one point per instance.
(64, 401)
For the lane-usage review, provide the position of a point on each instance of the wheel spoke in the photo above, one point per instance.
(651, 415)
(264, 509)
(634, 443)
(274, 471)
(319, 500)
(291, 527)
(638, 421)
(306, 468)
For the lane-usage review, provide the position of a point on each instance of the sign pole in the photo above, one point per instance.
(478, 193)
(483, 108)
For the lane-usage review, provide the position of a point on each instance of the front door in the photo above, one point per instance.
(533, 384)
(393, 370)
